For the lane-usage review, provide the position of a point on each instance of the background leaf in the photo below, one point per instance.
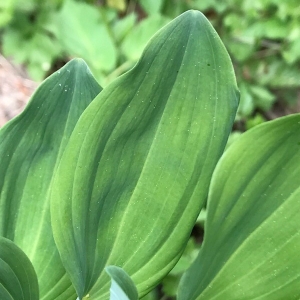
(122, 287)
(83, 31)
(252, 237)
(18, 279)
(135, 42)
(141, 157)
(30, 148)
(152, 6)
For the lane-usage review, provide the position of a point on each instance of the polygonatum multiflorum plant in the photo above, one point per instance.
(108, 183)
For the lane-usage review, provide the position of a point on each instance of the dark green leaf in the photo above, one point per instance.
(30, 148)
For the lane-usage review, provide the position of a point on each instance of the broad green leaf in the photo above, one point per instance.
(252, 239)
(18, 280)
(83, 32)
(30, 148)
(122, 287)
(136, 171)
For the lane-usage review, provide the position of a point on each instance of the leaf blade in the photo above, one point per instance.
(247, 223)
(30, 148)
(143, 127)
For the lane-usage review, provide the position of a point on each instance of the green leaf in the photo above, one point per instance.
(135, 42)
(252, 237)
(246, 106)
(280, 76)
(30, 148)
(233, 137)
(152, 6)
(240, 47)
(141, 157)
(83, 32)
(254, 121)
(37, 52)
(123, 26)
(291, 55)
(170, 285)
(18, 279)
(122, 287)
(271, 28)
(263, 98)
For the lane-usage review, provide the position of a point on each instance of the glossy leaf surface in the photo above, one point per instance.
(30, 148)
(18, 279)
(252, 239)
(122, 287)
(136, 171)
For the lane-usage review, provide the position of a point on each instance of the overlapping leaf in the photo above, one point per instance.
(18, 279)
(30, 148)
(136, 171)
(122, 287)
(252, 239)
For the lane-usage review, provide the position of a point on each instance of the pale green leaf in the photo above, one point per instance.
(136, 171)
(252, 239)
(83, 32)
(123, 26)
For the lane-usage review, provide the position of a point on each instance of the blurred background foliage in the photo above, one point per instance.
(262, 37)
